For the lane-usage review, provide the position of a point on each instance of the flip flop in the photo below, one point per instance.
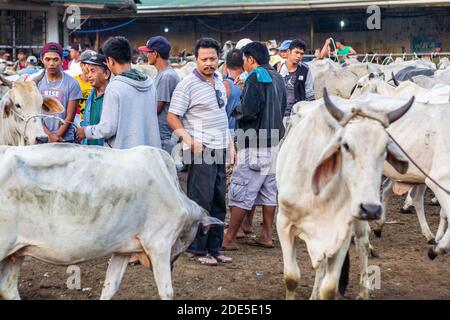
(230, 248)
(223, 258)
(256, 243)
(207, 261)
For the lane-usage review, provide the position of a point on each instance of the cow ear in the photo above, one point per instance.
(329, 165)
(396, 158)
(6, 105)
(52, 105)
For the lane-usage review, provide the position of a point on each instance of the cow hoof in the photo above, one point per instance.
(377, 233)
(432, 241)
(373, 254)
(431, 254)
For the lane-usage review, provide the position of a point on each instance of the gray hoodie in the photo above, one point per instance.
(129, 116)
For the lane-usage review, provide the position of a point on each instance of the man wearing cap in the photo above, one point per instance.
(31, 66)
(158, 51)
(82, 80)
(129, 116)
(283, 53)
(61, 86)
(98, 77)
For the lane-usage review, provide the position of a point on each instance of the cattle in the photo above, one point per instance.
(328, 176)
(21, 112)
(58, 207)
(375, 83)
(425, 136)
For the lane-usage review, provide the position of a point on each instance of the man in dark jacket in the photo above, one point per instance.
(259, 120)
(297, 77)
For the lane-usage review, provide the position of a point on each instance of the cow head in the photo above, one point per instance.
(197, 220)
(22, 102)
(357, 154)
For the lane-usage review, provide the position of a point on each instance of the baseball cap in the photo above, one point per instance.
(32, 60)
(52, 47)
(86, 55)
(437, 44)
(97, 60)
(284, 45)
(159, 44)
(242, 43)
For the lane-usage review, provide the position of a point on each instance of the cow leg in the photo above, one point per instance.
(444, 243)
(160, 259)
(114, 274)
(418, 195)
(443, 225)
(408, 204)
(387, 193)
(286, 234)
(330, 282)
(362, 230)
(9, 277)
(320, 274)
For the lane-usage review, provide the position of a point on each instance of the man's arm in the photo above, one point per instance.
(177, 126)
(160, 106)
(249, 107)
(70, 115)
(309, 87)
(107, 127)
(352, 51)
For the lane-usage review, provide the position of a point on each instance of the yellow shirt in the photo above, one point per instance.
(85, 90)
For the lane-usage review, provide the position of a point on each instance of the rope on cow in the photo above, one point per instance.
(417, 166)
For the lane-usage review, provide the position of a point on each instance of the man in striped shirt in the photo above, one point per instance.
(197, 115)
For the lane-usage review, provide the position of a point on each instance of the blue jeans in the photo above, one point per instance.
(206, 185)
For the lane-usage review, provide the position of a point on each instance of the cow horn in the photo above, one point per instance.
(398, 113)
(39, 77)
(410, 78)
(395, 80)
(6, 82)
(337, 113)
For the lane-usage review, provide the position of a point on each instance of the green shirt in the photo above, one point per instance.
(344, 51)
(96, 112)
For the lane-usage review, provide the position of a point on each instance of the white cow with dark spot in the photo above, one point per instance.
(67, 204)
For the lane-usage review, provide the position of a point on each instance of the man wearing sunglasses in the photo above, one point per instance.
(198, 116)
(297, 77)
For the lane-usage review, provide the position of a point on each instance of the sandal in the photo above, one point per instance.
(207, 260)
(223, 258)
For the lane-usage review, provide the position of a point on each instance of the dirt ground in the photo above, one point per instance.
(257, 273)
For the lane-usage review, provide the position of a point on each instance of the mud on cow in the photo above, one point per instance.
(328, 175)
(66, 219)
(20, 112)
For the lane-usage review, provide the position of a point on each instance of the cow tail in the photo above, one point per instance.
(344, 278)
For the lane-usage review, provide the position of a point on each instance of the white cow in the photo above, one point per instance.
(67, 204)
(328, 175)
(21, 112)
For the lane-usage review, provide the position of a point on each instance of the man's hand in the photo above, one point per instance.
(233, 155)
(196, 147)
(53, 137)
(81, 133)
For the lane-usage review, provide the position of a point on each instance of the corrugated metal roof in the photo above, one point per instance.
(187, 6)
(97, 2)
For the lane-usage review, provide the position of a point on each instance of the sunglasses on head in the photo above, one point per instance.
(219, 99)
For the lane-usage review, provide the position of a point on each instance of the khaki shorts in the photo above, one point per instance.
(253, 180)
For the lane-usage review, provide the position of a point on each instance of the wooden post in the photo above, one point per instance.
(311, 35)
(97, 41)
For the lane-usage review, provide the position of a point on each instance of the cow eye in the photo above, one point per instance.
(18, 106)
(346, 147)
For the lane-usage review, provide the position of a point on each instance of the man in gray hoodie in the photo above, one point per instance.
(129, 116)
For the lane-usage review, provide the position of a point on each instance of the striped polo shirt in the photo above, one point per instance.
(195, 101)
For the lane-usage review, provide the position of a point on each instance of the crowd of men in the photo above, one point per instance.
(232, 117)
